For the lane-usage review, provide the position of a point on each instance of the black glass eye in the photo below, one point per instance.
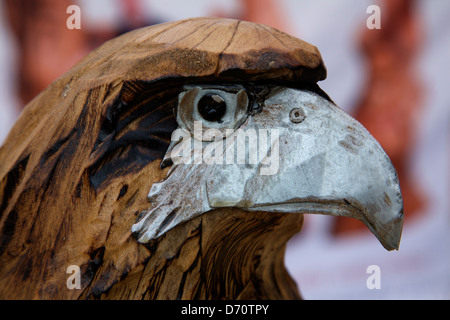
(212, 107)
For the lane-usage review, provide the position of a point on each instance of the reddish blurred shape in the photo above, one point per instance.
(268, 12)
(46, 47)
(391, 103)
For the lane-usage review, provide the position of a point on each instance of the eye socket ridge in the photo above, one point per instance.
(218, 107)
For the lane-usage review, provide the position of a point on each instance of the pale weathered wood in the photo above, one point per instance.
(77, 166)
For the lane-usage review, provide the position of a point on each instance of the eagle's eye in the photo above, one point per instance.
(212, 107)
(221, 108)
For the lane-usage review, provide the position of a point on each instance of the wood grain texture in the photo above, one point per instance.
(225, 254)
(78, 164)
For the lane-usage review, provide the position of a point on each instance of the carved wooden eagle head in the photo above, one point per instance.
(175, 161)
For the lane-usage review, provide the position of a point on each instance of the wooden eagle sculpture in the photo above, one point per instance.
(138, 166)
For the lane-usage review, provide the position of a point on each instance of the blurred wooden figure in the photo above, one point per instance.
(390, 106)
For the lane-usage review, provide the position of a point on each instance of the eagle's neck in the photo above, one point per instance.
(223, 254)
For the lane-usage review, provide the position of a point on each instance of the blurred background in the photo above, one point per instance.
(393, 80)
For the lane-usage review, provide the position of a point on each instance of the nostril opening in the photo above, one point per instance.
(296, 115)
